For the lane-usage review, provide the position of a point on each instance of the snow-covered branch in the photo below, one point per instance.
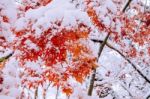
(127, 59)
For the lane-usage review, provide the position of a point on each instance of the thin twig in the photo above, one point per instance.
(6, 57)
(36, 93)
(127, 4)
(94, 71)
(90, 90)
(127, 59)
(148, 97)
(44, 94)
(127, 90)
(57, 93)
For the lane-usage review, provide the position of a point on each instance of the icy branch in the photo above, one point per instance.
(128, 60)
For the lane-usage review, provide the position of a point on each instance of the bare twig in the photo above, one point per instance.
(36, 93)
(99, 54)
(94, 72)
(148, 97)
(127, 90)
(57, 93)
(44, 93)
(127, 59)
(127, 4)
(6, 57)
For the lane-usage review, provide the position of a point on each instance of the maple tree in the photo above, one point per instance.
(63, 43)
(51, 48)
(63, 52)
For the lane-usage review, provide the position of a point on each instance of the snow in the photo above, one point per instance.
(113, 69)
(9, 9)
(44, 16)
(20, 24)
(31, 45)
(6, 97)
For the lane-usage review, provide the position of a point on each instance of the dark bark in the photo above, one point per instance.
(99, 54)
(6, 57)
(127, 59)
(90, 90)
(148, 97)
(36, 93)
(127, 4)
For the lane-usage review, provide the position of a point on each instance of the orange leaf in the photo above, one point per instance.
(94, 18)
(67, 91)
(2, 64)
(79, 79)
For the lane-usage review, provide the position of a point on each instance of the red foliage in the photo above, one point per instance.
(1, 80)
(29, 4)
(94, 18)
(5, 19)
(52, 48)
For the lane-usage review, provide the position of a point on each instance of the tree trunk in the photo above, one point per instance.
(90, 90)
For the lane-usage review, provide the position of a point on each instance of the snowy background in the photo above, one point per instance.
(115, 77)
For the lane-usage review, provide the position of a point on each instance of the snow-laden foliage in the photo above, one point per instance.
(49, 49)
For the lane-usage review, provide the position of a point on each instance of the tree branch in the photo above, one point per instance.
(127, 90)
(36, 93)
(148, 97)
(127, 4)
(99, 54)
(57, 93)
(45, 91)
(94, 72)
(6, 57)
(128, 60)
